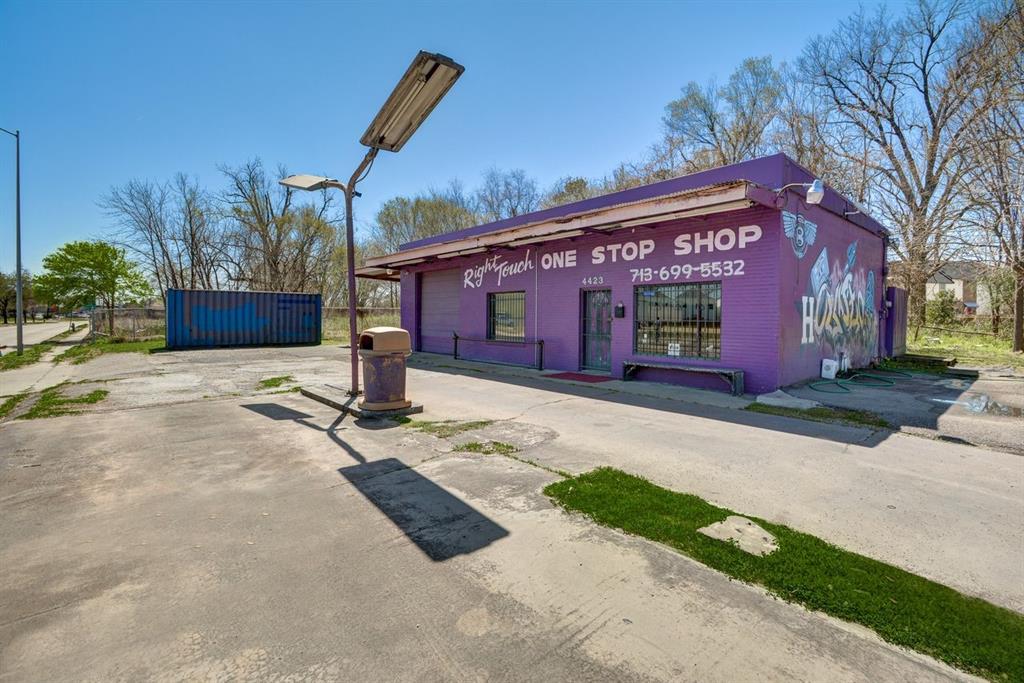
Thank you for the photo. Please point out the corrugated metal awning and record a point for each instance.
(701, 201)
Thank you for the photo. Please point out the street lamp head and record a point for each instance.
(815, 192)
(425, 82)
(310, 183)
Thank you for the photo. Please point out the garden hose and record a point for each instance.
(868, 380)
(900, 374)
(881, 378)
(839, 388)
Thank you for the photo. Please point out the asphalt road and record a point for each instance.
(33, 333)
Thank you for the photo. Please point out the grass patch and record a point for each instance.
(11, 360)
(444, 429)
(292, 390)
(859, 418)
(487, 448)
(82, 353)
(903, 608)
(335, 322)
(968, 349)
(275, 382)
(910, 365)
(10, 403)
(52, 402)
(31, 354)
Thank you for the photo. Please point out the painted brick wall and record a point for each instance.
(409, 306)
(750, 308)
(837, 276)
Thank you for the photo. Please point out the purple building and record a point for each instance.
(690, 281)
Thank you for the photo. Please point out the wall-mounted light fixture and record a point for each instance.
(815, 191)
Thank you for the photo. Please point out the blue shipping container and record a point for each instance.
(204, 317)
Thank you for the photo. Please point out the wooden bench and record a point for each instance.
(732, 377)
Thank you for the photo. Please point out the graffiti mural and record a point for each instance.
(800, 231)
(838, 312)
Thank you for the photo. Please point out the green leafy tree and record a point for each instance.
(7, 293)
(942, 310)
(81, 273)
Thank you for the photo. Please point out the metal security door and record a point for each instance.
(596, 330)
(439, 309)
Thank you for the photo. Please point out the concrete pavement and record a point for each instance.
(950, 512)
(202, 528)
(261, 538)
(986, 409)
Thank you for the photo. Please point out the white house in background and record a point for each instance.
(962, 279)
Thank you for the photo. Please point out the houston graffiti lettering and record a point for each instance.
(839, 312)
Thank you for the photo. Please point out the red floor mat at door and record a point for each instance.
(580, 377)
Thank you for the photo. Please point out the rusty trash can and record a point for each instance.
(384, 350)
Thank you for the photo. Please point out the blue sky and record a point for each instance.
(109, 91)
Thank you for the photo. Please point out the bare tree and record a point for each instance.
(404, 219)
(912, 89)
(276, 244)
(140, 211)
(803, 132)
(201, 249)
(570, 189)
(172, 228)
(505, 194)
(995, 180)
(714, 125)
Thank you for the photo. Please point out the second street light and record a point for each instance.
(425, 82)
(19, 314)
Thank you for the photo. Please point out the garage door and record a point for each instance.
(439, 310)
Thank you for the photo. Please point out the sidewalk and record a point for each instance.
(706, 397)
(44, 373)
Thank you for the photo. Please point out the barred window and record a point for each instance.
(506, 316)
(682, 320)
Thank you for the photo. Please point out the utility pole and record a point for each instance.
(19, 315)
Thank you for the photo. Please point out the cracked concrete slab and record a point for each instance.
(191, 529)
(942, 510)
(271, 540)
(782, 399)
(745, 534)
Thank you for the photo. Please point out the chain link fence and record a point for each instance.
(140, 324)
(335, 321)
(127, 324)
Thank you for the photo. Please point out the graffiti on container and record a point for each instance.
(800, 231)
(838, 312)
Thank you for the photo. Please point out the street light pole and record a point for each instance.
(350, 263)
(425, 82)
(19, 316)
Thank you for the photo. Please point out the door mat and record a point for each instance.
(580, 377)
